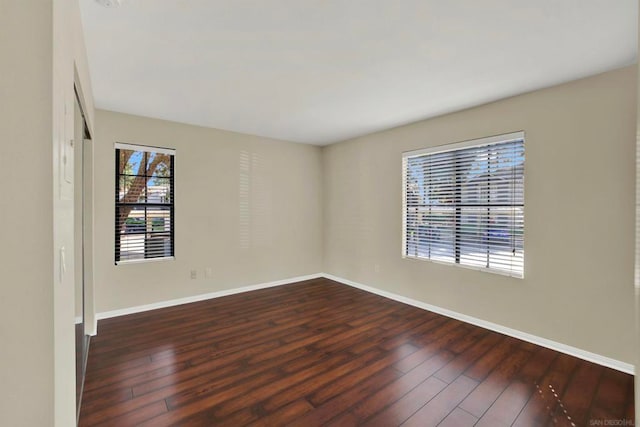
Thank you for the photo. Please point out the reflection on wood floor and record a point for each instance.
(322, 353)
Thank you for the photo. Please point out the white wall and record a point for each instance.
(247, 207)
(579, 192)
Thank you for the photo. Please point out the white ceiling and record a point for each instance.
(321, 71)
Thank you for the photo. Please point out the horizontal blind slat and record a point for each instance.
(144, 204)
(467, 206)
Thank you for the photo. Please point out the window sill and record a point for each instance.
(142, 261)
(468, 267)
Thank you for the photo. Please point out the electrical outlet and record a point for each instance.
(208, 273)
(194, 274)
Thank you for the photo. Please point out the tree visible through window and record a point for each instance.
(464, 204)
(144, 214)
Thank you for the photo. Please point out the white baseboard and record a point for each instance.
(89, 331)
(202, 297)
(92, 327)
(553, 345)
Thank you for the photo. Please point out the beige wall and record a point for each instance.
(26, 302)
(579, 215)
(277, 236)
(42, 53)
(637, 235)
(69, 67)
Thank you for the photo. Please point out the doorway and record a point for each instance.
(83, 184)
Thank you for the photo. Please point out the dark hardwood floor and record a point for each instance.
(322, 353)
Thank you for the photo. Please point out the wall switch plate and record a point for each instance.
(208, 273)
(194, 274)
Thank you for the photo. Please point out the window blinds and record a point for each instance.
(464, 204)
(144, 200)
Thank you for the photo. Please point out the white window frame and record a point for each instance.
(513, 136)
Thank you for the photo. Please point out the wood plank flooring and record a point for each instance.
(322, 353)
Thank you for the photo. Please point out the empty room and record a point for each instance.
(319, 213)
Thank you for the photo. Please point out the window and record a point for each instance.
(464, 204)
(144, 220)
